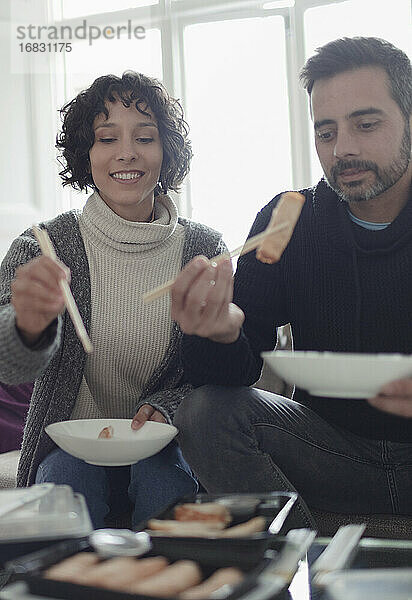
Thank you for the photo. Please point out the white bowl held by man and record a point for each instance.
(127, 446)
(339, 374)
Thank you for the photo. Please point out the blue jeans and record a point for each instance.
(146, 487)
(240, 439)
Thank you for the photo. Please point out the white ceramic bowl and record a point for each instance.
(80, 438)
(339, 374)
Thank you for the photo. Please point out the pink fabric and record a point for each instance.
(14, 404)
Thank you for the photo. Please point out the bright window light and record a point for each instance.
(237, 109)
(86, 62)
(80, 8)
(279, 4)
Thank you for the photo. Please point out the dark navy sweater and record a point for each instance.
(342, 288)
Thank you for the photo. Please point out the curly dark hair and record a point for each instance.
(347, 54)
(77, 135)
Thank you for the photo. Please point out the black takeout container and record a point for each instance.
(251, 554)
(30, 568)
(244, 551)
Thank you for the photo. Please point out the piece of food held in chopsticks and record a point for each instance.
(277, 233)
(287, 211)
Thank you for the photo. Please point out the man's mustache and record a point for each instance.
(343, 165)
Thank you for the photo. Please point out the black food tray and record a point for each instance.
(30, 568)
(244, 552)
(11, 550)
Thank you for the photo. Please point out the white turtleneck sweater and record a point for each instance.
(126, 259)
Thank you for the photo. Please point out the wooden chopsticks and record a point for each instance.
(47, 249)
(248, 246)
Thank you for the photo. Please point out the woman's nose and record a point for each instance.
(127, 151)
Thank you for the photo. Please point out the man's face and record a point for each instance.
(362, 139)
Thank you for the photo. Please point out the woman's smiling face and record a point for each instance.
(126, 160)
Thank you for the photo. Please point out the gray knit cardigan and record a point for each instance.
(57, 366)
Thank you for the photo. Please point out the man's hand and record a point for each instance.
(395, 398)
(147, 413)
(202, 301)
(36, 296)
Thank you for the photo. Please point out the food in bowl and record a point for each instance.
(106, 433)
(80, 438)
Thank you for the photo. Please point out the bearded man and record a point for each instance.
(343, 283)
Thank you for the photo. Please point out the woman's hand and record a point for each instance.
(202, 301)
(395, 398)
(147, 413)
(37, 297)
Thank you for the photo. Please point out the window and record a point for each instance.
(86, 63)
(237, 108)
(78, 8)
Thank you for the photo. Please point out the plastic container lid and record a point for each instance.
(42, 512)
(370, 584)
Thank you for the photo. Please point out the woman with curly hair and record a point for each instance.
(126, 139)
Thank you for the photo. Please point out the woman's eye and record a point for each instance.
(146, 140)
(106, 140)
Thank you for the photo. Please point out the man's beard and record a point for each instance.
(385, 178)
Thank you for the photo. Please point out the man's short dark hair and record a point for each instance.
(347, 54)
(77, 135)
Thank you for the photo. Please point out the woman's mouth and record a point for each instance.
(127, 177)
